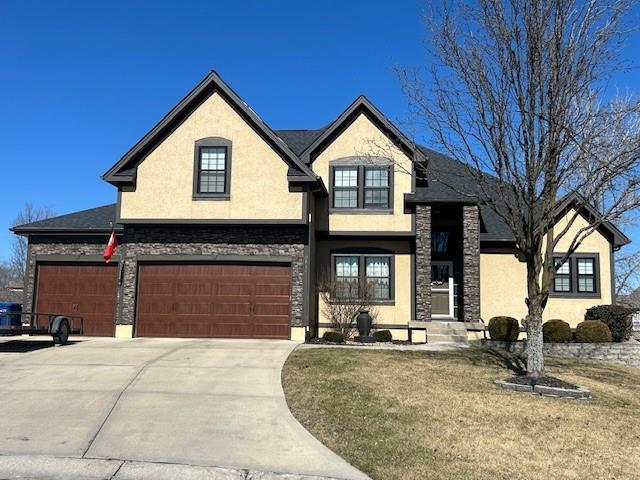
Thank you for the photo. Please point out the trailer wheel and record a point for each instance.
(62, 336)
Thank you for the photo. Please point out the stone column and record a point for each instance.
(423, 263)
(470, 263)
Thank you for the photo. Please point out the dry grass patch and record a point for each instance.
(400, 415)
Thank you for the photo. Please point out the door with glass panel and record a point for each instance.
(441, 289)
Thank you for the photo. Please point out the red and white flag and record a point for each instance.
(111, 247)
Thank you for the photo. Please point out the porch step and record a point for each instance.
(447, 332)
(437, 338)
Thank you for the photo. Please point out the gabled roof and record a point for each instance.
(93, 220)
(124, 171)
(361, 105)
(576, 200)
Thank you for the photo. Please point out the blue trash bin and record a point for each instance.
(6, 318)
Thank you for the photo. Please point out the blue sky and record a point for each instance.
(81, 82)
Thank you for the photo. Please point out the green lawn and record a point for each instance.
(423, 415)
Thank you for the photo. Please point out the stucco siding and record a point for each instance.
(363, 139)
(258, 186)
(503, 287)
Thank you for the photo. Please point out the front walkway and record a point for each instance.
(126, 407)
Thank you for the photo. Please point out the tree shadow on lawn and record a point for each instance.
(483, 356)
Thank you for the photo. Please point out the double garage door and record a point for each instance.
(174, 300)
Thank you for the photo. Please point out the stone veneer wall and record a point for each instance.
(423, 262)
(627, 353)
(247, 240)
(470, 263)
(74, 246)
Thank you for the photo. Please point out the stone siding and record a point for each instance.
(470, 263)
(276, 241)
(627, 353)
(279, 241)
(76, 247)
(423, 263)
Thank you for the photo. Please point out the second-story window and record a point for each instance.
(213, 161)
(345, 187)
(212, 169)
(376, 187)
(361, 187)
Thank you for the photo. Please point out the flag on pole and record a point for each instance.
(111, 247)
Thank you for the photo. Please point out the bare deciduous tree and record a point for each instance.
(518, 91)
(627, 273)
(27, 214)
(341, 303)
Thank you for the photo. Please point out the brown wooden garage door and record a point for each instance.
(86, 290)
(221, 300)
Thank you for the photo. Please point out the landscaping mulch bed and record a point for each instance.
(322, 341)
(546, 381)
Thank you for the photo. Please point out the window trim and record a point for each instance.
(573, 280)
(361, 164)
(212, 142)
(362, 254)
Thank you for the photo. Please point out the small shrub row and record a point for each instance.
(337, 337)
(506, 329)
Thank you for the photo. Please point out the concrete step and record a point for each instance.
(446, 332)
(439, 338)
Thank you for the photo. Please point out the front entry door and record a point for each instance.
(442, 290)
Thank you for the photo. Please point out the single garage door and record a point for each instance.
(213, 300)
(87, 290)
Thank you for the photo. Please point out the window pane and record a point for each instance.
(376, 177)
(379, 288)
(212, 158)
(346, 266)
(345, 177)
(345, 198)
(440, 242)
(562, 283)
(585, 266)
(347, 288)
(586, 284)
(440, 274)
(564, 269)
(376, 197)
(212, 182)
(377, 266)
(378, 276)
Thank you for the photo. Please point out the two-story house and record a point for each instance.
(225, 227)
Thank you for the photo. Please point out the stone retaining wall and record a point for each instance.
(627, 353)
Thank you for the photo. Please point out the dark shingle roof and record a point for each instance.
(298, 140)
(94, 219)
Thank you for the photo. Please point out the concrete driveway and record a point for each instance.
(133, 408)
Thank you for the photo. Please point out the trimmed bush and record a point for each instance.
(593, 331)
(383, 336)
(504, 329)
(616, 317)
(556, 331)
(333, 337)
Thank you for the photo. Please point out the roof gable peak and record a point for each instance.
(361, 105)
(123, 172)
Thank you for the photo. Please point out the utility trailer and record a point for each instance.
(54, 324)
